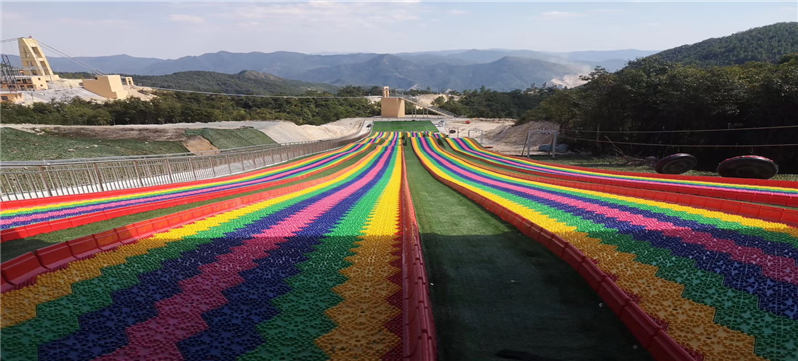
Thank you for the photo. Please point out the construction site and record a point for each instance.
(35, 81)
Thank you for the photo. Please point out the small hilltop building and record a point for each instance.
(391, 107)
(107, 86)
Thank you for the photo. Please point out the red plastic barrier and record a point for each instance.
(107, 240)
(22, 269)
(83, 247)
(5, 285)
(640, 323)
(55, 256)
(647, 331)
(418, 331)
(664, 348)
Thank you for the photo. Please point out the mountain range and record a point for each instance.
(497, 69)
(440, 70)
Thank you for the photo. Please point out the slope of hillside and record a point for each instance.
(506, 73)
(245, 82)
(767, 43)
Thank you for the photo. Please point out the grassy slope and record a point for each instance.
(19, 145)
(232, 138)
(494, 289)
(404, 126)
(17, 247)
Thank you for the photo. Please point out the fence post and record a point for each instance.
(227, 160)
(136, 171)
(191, 165)
(169, 170)
(98, 176)
(44, 182)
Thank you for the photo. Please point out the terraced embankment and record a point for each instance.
(687, 281)
(304, 272)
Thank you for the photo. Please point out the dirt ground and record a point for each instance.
(500, 134)
(199, 145)
(510, 140)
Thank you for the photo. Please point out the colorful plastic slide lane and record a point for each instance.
(311, 274)
(689, 283)
(27, 218)
(783, 193)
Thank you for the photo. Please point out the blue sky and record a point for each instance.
(171, 30)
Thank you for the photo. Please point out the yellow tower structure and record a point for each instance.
(391, 107)
(34, 63)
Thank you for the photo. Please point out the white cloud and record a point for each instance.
(555, 14)
(185, 18)
(95, 22)
(327, 13)
(457, 12)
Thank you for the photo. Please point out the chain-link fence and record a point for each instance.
(36, 179)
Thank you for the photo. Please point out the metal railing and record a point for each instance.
(37, 179)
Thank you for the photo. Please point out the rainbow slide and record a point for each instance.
(26, 218)
(311, 272)
(784, 193)
(690, 283)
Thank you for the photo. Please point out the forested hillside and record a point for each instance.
(634, 106)
(767, 43)
(245, 82)
(172, 107)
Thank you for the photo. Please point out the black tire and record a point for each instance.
(676, 163)
(748, 166)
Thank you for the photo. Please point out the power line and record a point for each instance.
(678, 131)
(685, 145)
(70, 58)
(257, 95)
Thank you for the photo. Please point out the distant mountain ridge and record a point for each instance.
(245, 82)
(440, 70)
(767, 43)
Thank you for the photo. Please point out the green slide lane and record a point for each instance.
(492, 287)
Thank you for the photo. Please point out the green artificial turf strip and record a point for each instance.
(232, 138)
(494, 289)
(17, 247)
(403, 126)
